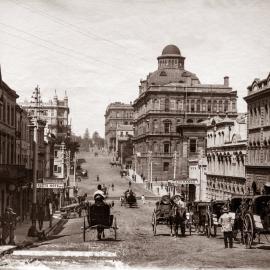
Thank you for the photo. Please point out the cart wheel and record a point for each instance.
(248, 231)
(154, 223)
(115, 228)
(84, 229)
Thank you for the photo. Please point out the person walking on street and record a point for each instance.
(97, 178)
(8, 226)
(40, 216)
(112, 187)
(129, 184)
(143, 199)
(226, 227)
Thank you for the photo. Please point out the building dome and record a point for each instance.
(171, 49)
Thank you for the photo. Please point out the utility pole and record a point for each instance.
(36, 100)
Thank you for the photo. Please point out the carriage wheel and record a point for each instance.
(248, 231)
(154, 223)
(208, 226)
(84, 229)
(115, 228)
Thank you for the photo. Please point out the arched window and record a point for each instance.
(166, 147)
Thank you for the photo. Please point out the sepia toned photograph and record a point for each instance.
(134, 134)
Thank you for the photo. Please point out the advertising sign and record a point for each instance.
(50, 185)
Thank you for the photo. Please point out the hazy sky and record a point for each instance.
(99, 50)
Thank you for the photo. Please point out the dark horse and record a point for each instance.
(178, 218)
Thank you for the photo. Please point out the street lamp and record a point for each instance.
(37, 104)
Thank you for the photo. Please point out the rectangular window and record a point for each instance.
(167, 127)
(192, 106)
(166, 148)
(59, 170)
(167, 105)
(209, 106)
(55, 168)
(55, 153)
(193, 145)
(198, 106)
(166, 166)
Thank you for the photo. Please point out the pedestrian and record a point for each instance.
(143, 199)
(97, 178)
(40, 216)
(129, 184)
(156, 179)
(8, 226)
(226, 227)
(112, 187)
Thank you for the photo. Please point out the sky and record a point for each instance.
(98, 50)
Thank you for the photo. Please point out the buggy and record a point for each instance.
(99, 218)
(213, 214)
(199, 210)
(129, 199)
(256, 219)
(162, 213)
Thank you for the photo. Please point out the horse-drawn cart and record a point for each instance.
(129, 199)
(256, 219)
(99, 219)
(213, 214)
(162, 213)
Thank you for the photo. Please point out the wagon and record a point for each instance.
(129, 199)
(162, 213)
(199, 210)
(238, 207)
(99, 219)
(213, 214)
(256, 219)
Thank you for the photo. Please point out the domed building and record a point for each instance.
(168, 116)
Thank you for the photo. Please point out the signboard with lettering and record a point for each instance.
(50, 185)
(184, 181)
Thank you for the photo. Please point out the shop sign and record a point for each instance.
(50, 185)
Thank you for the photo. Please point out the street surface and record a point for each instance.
(136, 246)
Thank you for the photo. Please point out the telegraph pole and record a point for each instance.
(36, 100)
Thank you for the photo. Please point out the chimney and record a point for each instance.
(226, 81)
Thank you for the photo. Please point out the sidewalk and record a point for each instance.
(21, 238)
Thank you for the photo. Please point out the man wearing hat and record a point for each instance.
(227, 227)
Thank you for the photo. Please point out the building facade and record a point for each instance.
(15, 156)
(258, 158)
(117, 113)
(173, 99)
(55, 113)
(226, 155)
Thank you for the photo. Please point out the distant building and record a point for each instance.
(226, 155)
(117, 113)
(124, 133)
(258, 159)
(56, 115)
(172, 99)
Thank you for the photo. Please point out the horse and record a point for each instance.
(178, 218)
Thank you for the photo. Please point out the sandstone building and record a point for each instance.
(226, 155)
(258, 160)
(116, 114)
(172, 99)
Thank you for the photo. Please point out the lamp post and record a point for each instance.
(36, 100)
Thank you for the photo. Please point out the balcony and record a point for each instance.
(15, 172)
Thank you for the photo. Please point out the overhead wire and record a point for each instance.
(71, 26)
